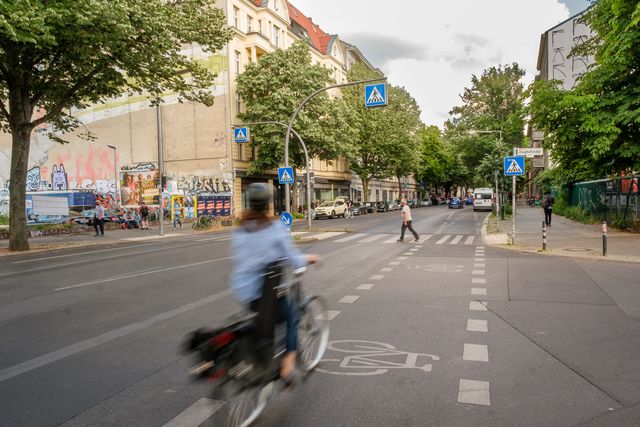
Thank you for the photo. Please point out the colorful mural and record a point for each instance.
(137, 186)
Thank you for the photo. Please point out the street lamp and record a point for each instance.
(115, 174)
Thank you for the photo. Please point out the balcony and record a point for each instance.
(260, 42)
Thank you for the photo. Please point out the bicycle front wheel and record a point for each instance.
(313, 332)
(247, 404)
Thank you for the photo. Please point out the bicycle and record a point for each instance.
(311, 212)
(235, 360)
(348, 214)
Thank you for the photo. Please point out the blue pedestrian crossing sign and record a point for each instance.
(285, 175)
(286, 218)
(241, 135)
(375, 95)
(513, 165)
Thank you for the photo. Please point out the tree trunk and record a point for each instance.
(365, 188)
(401, 196)
(21, 140)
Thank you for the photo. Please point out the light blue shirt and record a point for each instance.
(253, 251)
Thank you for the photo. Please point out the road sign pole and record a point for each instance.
(513, 208)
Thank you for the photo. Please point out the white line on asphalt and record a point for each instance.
(346, 239)
(478, 260)
(419, 246)
(373, 238)
(478, 305)
(376, 277)
(477, 325)
(479, 265)
(385, 269)
(443, 239)
(479, 280)
(83, 253)
(475, 352)
(328, 235)
(139, 273)
(391, 240)
(196, 414)
(45, 359)
(394, 263)
(413, 250)
(456, 239)
(478, 291)
(219, 238)
(328, 315)
(152, 237)
(477, 272)
(474, 392)
(439, 230)
(408, 253)
(349, 299)
(365, 287)
(469, 240)
(402, 258)
(480, 247)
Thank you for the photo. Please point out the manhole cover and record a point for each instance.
(578, 249)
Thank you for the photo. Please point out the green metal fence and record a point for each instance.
(616, 199)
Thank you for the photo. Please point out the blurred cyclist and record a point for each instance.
(259, 242)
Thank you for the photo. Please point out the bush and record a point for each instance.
(4, 220)
(297, 215)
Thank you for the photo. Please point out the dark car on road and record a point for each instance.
(371, 207)
(456, 203)
(469, 201)
(358, 208)
(382, 206)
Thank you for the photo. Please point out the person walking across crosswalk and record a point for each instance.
(406, 222)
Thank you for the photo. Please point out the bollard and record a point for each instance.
(544, 236)
(604, 238)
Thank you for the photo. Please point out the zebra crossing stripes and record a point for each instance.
(352, 237)
(449, 239)
(373, 238)
(456, 239)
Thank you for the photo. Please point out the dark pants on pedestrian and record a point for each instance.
(98, 223)
(547, 216)
(404, 227)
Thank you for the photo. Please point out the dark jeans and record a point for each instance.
(404, 228)
(98, 223)
(289, 315)
(547, 216)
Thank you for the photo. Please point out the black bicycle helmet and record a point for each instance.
(258, 196)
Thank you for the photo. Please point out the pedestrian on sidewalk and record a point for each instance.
(98, 219)
(406, 222)
(177, 211)
(547, 205)
(144, 213)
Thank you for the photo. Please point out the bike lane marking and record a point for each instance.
(479, 280)
(474, 392)
(196, 414)
(478, 305)
(475, 353)
(478, 291)
(349, 299)
(477, 325)
(386, 269)
(328, 315)
(376, 277)
(365, 287)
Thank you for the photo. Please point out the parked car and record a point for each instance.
(331, 209)
(425, 202)
(371, 207)
(412, 203)
(456, 203)
(48, 219)
(394, 206)
(358, 208)
(110, 215)
(382, 206)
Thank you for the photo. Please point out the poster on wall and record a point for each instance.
(138, 186)
(214, 206)
(184, 206)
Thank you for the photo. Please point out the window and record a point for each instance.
(238, 104)
(236, 17)
(260, 26)
(276, 36)
(237, 62)
(254, 153)
(249, 24)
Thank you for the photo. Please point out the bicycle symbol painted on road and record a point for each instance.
(372, 358)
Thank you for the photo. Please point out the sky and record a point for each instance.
(433, 47)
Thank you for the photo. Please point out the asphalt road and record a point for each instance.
(443, 332)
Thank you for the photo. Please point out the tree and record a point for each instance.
(63, 54)
(495, 102)
(435, 162)
(272, 89)
(594, 129)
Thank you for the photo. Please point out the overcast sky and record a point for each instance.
(432, 47)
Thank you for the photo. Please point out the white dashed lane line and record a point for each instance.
(477, 306)
(376, 277)
(394, 263)
(478, 291)
(349, 299)
(477, 272)
(328, 315)
(386, 269)
(365, 287)
(479, 281)
(475, 353)
(477, 325)
(196, 414)
(479, 265)
(474, 392)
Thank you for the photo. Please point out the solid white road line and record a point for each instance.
(456, 239)
(372, 238)
(475, 352)
(328, 235)
(365, 287)
(349, 299)
(477, 325)
(479, 265)
(474, 392)
(152, 237)
(376, 277)
(352, 237)
(477, 306)
(45, 359)
(443, 239)
(84, 253)
(477, 272)
(479, 280)
(469, 240)
(328, 315)
(478, 291)
(196, 414)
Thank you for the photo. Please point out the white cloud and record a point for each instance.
(432, 47)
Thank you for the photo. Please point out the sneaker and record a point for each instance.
(417, 238)
(400, 240)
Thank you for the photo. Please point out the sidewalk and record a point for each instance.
(111, 236)
(564, 237)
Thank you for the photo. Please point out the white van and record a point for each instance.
(482, 199)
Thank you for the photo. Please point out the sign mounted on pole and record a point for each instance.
(513, 165)
(241, 135)
(285, 175)
(375, 95)
(530, 152)
(286, 218)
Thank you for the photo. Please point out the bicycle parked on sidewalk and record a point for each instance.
(243, 367)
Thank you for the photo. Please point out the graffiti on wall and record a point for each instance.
(193, 185)
(59, 178)
(33, 178)
(139, 167)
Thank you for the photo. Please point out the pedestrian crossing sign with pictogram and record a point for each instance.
(375, 95)
(513, 165)
(241, 135)
(285, 175)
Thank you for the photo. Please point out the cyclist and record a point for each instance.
(259, 242)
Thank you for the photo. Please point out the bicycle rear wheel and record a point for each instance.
(247, 404)
(313, 332)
